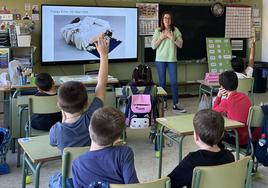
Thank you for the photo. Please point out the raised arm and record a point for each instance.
(103, 47)
(252, 53)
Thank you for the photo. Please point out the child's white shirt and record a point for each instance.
(248, 73)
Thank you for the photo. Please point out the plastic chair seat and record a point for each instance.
(232, 175)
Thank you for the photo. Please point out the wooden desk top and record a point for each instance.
(5, 88)
(85, 79)
(160, 92)
(39, 150)
(183, 124)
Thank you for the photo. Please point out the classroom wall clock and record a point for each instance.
(217, 9)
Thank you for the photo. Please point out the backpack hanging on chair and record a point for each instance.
(261, 151)
(99, 184)
(139, 110)
(5, 138)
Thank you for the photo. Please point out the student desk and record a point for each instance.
(160, 94)
(88, 80)
(245, 85)
(182, 126)
(11, 93)
(37, 151)
(208, 88)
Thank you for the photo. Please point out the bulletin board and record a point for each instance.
(219, 53)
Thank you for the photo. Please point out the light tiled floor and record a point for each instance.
(145, 161)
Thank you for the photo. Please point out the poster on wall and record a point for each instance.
(219, 53)
(148, 18)
(256, 23)
(148, 41)
(35, 12)
(27, 6)
(238, 22)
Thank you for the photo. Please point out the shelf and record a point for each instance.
(22, 53)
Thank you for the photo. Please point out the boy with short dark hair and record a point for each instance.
(105, 162)
(45, 86)
(235, 105)
(208, 130)
(73, 100)
(45, 82)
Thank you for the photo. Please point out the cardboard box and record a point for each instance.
(24, 40)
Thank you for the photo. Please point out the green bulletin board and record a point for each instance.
(219, 53)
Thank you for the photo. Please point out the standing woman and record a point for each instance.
(166, 39)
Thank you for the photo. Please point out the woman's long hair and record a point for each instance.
(162, 26)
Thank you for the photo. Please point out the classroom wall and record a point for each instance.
(115, 68)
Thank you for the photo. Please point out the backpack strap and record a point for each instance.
(152, 90)
(134, 90)
(265, 119)
(147, 90)
(125, 91)
(154, 99)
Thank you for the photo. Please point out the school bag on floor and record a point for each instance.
(204, 103)
(5, 138)
(261, 151)
(139, 110)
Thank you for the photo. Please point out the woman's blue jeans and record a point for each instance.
(172, 69)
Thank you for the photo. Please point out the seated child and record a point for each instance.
(235, 105)
(45, 86)
(208, 131)
(105, 162)
(141, 77)
(238, 64)
(72, 100)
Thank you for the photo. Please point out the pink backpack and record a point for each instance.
(139, 109)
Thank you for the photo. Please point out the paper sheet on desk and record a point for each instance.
(84, 78)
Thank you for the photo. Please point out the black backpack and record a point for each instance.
(261, 151)
(99, 184)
